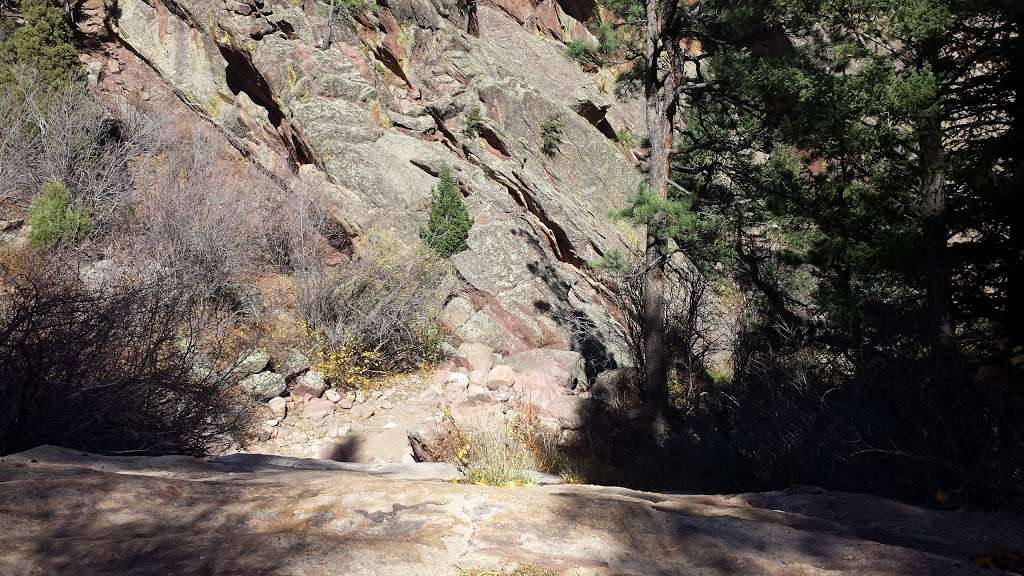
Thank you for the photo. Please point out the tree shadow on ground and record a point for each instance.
(82, 523)
(803, 528)
(727, 536)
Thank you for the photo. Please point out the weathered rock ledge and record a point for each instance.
(67, 513)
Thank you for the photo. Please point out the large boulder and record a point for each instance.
(75, 514)
(456, 313)
(479, 356)
(569, 412)
(252, 362)
(265, 385)
(501, 377)
(546, 367)
(310, 383)
(289, 363)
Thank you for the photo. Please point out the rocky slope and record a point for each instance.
(369, 121)
(68, 513)
(399, 421)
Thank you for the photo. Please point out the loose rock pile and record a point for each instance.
(475, 387)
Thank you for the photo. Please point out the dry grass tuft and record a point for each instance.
(522, 570)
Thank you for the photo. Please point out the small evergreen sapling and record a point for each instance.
(55, 219)
(473, 122)
(449, 223)
(551, 134)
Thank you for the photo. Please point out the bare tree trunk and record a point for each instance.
(1015, 204)
(661, 98)
(933, 210)
(933, 213)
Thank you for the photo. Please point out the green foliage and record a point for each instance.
(55, 220)
(551, 133)
(612, 261)
(7, 27)
(43, 43)
(448, 223)
(581, 51)
(670, 218)
(608, 38)
(632, 12)
(698, 233)
(804, 164)
(585, 51)
(625, 137)
(472, 123)
(356, 6)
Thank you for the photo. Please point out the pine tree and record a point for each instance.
(449, 223)
(859, 158)
(43, 43)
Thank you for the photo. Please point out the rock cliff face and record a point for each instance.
(67, 513)
(370, 120)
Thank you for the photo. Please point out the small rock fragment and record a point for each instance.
(309, 384)
(318, 408)
(458, 379)
(278, 406)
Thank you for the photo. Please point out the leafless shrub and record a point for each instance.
(298, 234)
(691, 337)
(197, 215)
(68, 136)
(112, 369)
(378, 312)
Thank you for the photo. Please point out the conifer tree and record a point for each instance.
(449, 223)
(43, 43)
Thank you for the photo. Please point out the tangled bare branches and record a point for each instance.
(197, 215)
(385, 302)
(693, 329)
(112, 369)
(68, 136)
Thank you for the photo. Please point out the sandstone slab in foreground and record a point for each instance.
(67, 513)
